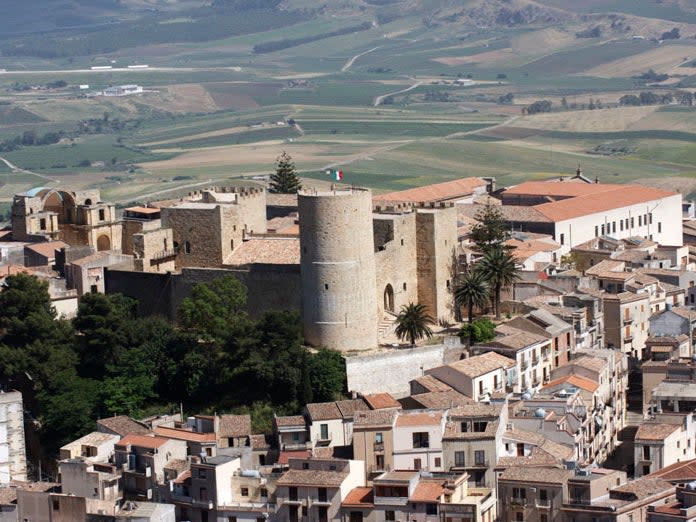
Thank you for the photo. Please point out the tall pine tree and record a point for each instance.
(285, 180)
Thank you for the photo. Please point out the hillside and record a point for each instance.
(395, 92)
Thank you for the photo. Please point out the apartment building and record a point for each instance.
(478, 376)
(373, 440)
(13, 459)
(291, 433)
(142, 459)
(409, 495)
(599, 494)
(313, 489)
(418, 440)
(666, 439)
(472, 440)
(331, 423)
(532, 493)
(531, 353)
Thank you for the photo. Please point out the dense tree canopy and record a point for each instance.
(108, 361)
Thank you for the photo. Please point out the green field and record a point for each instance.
(215, 104)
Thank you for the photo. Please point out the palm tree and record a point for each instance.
(473, 291)
(412, 323)
(499, 268)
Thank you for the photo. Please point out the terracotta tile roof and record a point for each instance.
(46, 249)
(183, 477)
(527, 248)
(432, 384)
(142, 210)
(453, 431)
(655, 431)
(259, 441)
(122, 425)
(8, 493)
(312, 477)
(556, 450)
(596, 364)
(677, 472)
(621, 196)
(442, 400)
(427, 491)
(557, 189)
(234, 425)
(574, 380)
(187, 435)
(285, 456)
(372, 418)
(476, 409)
(142, 441)
(271, 251)
(290, 421)
(377, 401)
(522, 214)
(10, 270)
(359, 497)
(447, 190)
(319, 411)
(178, 465)
(419, 418)
(515, 340)
(349, 407)
(482, 364)
(550, 475)
(644, 487)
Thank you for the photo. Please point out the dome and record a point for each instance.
(526, 396)
(540, 412)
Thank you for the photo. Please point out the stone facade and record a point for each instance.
(208, 225)
(78, 218)
(337, 263)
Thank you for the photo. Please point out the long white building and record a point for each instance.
(13, 459)
(574, 212)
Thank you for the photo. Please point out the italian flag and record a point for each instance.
(337, 174)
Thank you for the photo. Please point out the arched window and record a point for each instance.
(389, 298)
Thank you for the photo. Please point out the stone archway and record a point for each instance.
(103, 243)
(389, 298)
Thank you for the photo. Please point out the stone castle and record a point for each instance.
(346, 263)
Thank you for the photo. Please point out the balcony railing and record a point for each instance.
(627, 320)
(379, 446)
(524, 365)
(479, 464)
(542, 504)
(163, 255)
(628, 339)
(517, 501)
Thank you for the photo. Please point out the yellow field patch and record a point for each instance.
(600, 120)
(664, 59)
(488, 57)
(532, 43)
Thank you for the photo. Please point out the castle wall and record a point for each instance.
(338, 269)
(196, 232)
(269, 287)
(436, 239)
(136, 226)
(391, 371)
(154, 251)
(395, 260)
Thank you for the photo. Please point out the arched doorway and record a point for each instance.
(389, 298)
(103, 243)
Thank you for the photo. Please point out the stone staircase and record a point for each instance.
(386, 326)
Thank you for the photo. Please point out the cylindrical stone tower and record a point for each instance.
(337, 259)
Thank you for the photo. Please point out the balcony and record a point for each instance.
(524, 365)
(479, 464)
(379, 446)
(518, 502)
(542, 504)
(628, 339)
(162, 255)
(323, 439)
(627, 320)
(205, 504)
